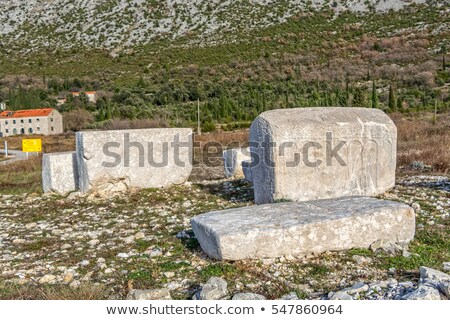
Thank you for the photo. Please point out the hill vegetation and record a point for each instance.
(311, 55)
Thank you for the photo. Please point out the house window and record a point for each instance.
(30, 130)
(38, 129)
(14, 121)
(29, 121)
(37, 119)
(14, 131)
(21, 120)
(7, 130)
(22, 131)
(51, 119)
(6, 122)
(52, 128)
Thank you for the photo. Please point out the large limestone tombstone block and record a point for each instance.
(319, 153)
(302, 228)
(232, 161)
(140, 158)
(59, 172)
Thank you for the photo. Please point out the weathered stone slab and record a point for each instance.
(232, 161)
(247, 170)
(142, 158)
(302, 228)
(319, 153)
(59, 172)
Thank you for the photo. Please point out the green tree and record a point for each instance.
(108, 111)
(392, 99)
(444, 63)
(374, 99)
(399, 104)
(359, 99)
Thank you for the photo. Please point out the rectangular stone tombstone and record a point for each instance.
(302, 228)
(59, 172)
(319, 153)
(232, 161)
(138, 158)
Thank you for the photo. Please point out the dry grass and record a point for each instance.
(231, 138)
(117, 124)
(37, 291)
(422, 139)
(213, 144)
(50, 144)
(21, 176)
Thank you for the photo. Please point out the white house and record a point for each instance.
(45, 121)
(92, 95)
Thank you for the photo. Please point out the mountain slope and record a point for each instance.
(115, 24)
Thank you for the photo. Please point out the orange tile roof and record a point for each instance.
(25, 113)
(87, 92)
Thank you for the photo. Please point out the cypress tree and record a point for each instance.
(444, 63)
(108, 112)
(358, 98)
(399, 104)
(347, 90)
(374, 95)
(392, 102)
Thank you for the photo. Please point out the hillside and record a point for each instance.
(238, 58)
(115, 24)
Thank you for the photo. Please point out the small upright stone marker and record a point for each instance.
(59, 172)
(247, 169)
(320, 153)
(233, 162)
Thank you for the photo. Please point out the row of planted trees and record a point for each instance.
(231, 102)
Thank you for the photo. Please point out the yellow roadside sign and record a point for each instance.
(32, 145)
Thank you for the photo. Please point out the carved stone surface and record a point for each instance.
(59, 172)
(142, 158)
(319, 153)
(302, 228)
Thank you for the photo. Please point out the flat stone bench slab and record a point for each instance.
(59, 172)
(302, 228)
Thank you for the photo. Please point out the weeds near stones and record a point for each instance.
(218, 270)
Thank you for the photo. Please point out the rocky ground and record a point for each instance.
(92, 247)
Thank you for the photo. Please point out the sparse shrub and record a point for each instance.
(78, 119)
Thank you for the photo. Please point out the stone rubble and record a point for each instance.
(214, 289)
(154, 294)
(248, 296)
